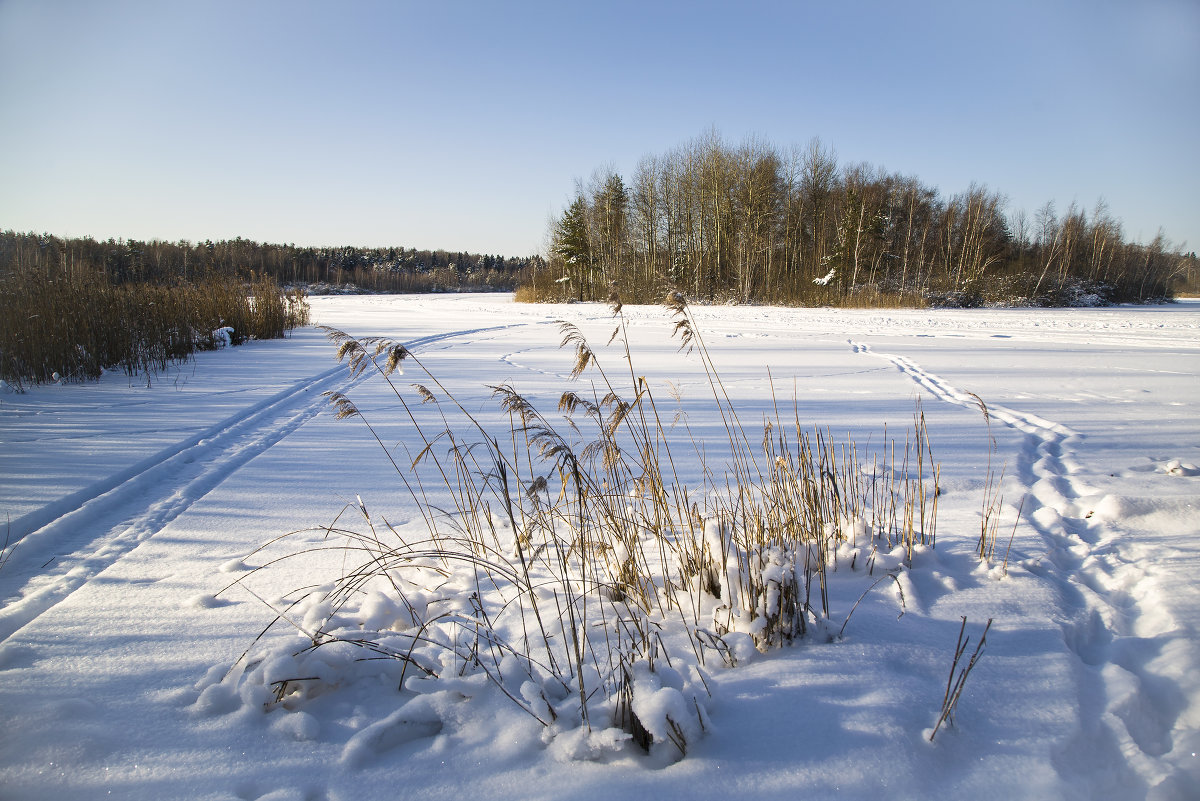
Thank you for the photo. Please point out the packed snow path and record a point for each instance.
(68, 542)
(96, 526)
(137, 502)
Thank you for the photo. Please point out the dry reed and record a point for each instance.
(53, 327)
(591, 565)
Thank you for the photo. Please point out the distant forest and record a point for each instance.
(120, 261)
(752, 223)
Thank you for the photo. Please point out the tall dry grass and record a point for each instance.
(597, 576)
(53, 325)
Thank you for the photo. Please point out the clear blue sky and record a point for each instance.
(463, 125)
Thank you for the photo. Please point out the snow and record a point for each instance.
(222, 337)
(133, 510)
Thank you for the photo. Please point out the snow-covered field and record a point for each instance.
(133, 508)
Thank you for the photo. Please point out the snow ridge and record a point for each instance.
(1131, 713)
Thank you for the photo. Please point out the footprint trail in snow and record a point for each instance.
(1111, 616)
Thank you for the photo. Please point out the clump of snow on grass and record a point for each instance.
(1111, 507)
(1177, 467)
(205, 601)
(671, 710)
(417, 719)
(223, 337)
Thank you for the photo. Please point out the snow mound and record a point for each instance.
(1177, 467)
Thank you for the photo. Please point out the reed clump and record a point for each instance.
(566, 563)
(57, 327)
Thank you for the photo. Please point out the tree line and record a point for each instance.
(395, 269)
(752, 223)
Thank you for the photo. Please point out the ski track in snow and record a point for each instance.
(68, 542)
(1109, 607)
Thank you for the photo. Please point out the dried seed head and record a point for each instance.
(620, 410)
(583, 353)
(614, 301)
(612, 455)
(535, 486)
(396, 354)
(591, 451)
(583, 357)
(677, 304)
(610, 399)
(343, 406)
(512, 402)
(683, 328)
(346, 348)
(570, 401)
(987, 417)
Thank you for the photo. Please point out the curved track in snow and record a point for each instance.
(1129, 711)
(66, 543)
